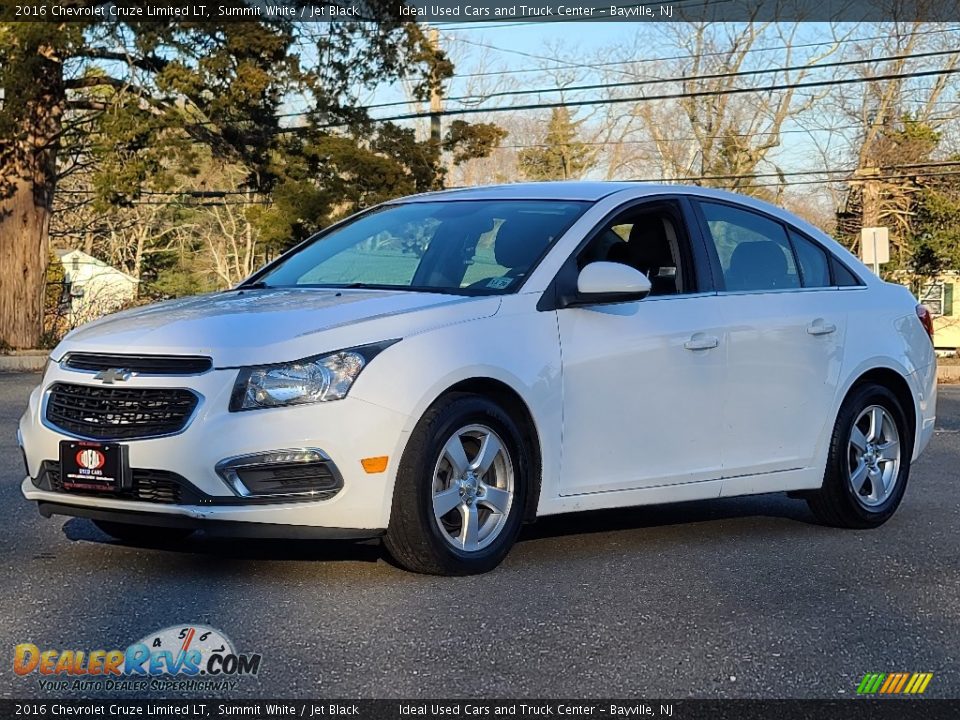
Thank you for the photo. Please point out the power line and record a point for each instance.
(665, 96)
(656, 81)
(687, 139)
(924, 169)
(818, 181)
(840, 41)
(689, 56)
(713, 76)
(837, 171)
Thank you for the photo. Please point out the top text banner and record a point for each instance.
(114, 11)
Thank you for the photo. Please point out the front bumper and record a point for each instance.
(50, 504)
(346, 430)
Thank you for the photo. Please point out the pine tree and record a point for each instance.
(562, 156)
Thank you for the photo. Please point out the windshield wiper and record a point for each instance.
(259, 285)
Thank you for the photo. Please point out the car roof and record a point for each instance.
(592, 191)
(583, 190)
(557, 190)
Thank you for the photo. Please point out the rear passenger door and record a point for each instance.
(785, 328)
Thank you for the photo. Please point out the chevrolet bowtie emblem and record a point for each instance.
(112, 375)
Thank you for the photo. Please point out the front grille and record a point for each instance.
(142, 364)
(153, 486)
(110, 413)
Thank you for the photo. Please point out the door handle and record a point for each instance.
(701, 342)
(819, 327)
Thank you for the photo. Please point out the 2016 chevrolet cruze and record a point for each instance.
(442, 368)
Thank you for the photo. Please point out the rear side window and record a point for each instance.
(842, 276)
(814, 264)
(754, 251)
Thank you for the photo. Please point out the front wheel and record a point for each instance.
(869, 461)
(461, 489)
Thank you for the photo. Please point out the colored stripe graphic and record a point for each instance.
(870, 683)
(903, 681)
(894, 683)
(892, 680)
(918, 683)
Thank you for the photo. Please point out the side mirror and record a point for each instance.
(609, 282)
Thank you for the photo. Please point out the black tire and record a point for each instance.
(836, 504)
(143, 534)
(413, 537)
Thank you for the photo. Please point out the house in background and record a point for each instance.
(91, 288)
(941, 299)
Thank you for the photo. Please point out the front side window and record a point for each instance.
(754, 251)
(647, 239)
(471, 247)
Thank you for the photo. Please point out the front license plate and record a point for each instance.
(91, 466)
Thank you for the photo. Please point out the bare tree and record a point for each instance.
(710, 128)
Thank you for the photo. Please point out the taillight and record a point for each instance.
(926, 319)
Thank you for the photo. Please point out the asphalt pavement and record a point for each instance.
(743, 597)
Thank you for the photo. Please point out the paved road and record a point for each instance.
(733, 598)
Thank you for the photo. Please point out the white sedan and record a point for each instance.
(440, 369)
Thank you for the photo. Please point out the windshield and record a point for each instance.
(465, 246)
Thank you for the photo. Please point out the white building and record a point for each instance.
(92, 288)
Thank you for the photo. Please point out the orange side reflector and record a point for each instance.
(375, 464)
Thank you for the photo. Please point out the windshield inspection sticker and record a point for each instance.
(499, 283)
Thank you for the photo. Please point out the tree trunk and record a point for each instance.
(23, 247)
(28, 176)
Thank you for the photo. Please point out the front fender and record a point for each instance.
(518, 348)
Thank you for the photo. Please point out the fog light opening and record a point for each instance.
(305, 473)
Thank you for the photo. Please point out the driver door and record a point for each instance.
(643, 381)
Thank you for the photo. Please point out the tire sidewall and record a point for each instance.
(467, 411)
(862, 398)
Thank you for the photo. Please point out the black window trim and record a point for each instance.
(694, 249)
(788, 228)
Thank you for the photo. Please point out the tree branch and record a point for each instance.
(150, 63)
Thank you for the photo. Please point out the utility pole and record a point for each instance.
(436, 109)
(871, 197)
(436, 98)
(867, 178)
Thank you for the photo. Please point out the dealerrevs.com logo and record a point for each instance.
(180, 657)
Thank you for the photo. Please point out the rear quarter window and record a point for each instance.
(813, 260)
(843, 276)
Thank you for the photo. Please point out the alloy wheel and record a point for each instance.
(874, 455)
(473, 488)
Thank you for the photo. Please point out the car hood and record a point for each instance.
(261, 326)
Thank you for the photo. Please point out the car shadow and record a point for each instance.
(236, 548)
(776, 506)
(773, 506)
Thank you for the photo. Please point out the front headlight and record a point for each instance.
(315, 379)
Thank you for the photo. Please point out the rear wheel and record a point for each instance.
(869, 461)
(461, 488)
(142, 534)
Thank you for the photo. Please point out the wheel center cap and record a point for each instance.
(469, 487)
